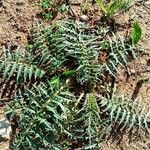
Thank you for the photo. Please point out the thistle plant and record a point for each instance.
(49, 112)
(125, 114)
(89, 118)
(42, 111)
(119, 51)
(20, 66)
(77, 43)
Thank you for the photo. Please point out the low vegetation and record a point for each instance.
(65, 94)
(109, 9)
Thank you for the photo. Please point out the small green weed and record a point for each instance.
(114, 6)
(51, 7)
(63, 8)
(136, 33)
(46, 4)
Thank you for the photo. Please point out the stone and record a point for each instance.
(5, 128)
(84, 18)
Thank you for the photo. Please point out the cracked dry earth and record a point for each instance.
(16, 21)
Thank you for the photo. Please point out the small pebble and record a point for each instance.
(5, 128)
(84, 18)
